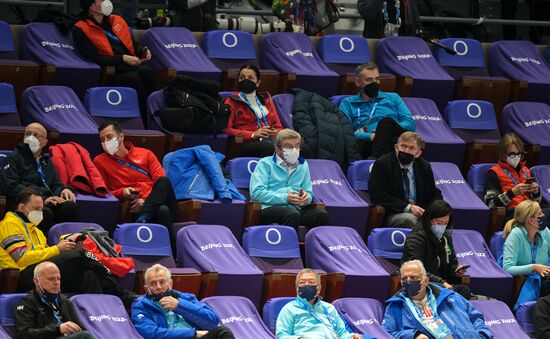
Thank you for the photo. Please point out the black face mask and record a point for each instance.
(405, 158)
(157, 297)
(247, 86)
(371, 90)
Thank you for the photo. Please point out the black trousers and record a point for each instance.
(220, 332)
(54, 214)
(541, 318)
(386, 135)
(307, 216)
(143, 79)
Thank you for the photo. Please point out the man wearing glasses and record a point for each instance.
(27, 166)
(377, 117)
(282, 184)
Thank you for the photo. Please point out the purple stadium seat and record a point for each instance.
(337, 99)
(364, 315)
(272, 309)
(486, 276)
(524, 318)
(359, 174)
(341, 249)
(240, 315)
(547, 55)
(531, 122)
(116, 103)
(289, 52)
(388, 242)
(476, 177)
(175, 47)
(331, 188)
(6, 40)
(499, 319)
(472, 120)
(411, 57)
(4, 334)
(283, 105)
(88, 205)
(442, 144)
(43, 43)
(57, 230)
(521, 60)
(213, 248)
(8, 106)
(7, 309)
(104, 316)
(496, 245)
(542, 175)
(155, 101)
(470, 212)
(240, 170)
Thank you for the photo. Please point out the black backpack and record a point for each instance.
(193, 106)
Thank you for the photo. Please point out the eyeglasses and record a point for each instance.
(515, 155)
(287, 147)
(36, 135)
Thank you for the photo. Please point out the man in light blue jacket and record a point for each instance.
(423, 311)
(308, 316)
(282, 184)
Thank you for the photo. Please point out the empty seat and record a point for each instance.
(289, 52)
(7, 312)
(542, 176)
(531, 122)
(525, 318)
(341, 249)
(388, 243)
(213, 248)
(496, 245)
(272, 309)
(363, 315)
(521, 60)
(486, 276)
(104, 316)
(240, 315)
(476, 177)
(8, 107)
(442, 144)
(499, 319)
(283, 105)
(410, 57)
(57, 230)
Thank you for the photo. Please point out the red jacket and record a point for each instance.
(75, 168)
(243, 120)
(506, 182)
(118, 176)
(97, 36)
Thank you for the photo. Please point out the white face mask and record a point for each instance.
(33, 143)
(110, 146)
(513, 161)
(291, 155)
(35, 217)
(107, 7)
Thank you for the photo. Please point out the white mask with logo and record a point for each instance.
(513, 161)
(291, 155)
(33, 143)
(107, 7)
(110, 146)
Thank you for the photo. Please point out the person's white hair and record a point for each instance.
(305, 271)
(415, 262)
(37, 272)
(155, 269)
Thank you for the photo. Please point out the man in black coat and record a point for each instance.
(45, 312)
(389, 18)
(403, 182)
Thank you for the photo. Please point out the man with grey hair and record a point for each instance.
(422, 310)
(308, 316)
(166, 313)
(282, 184)
(377, 117)
(45, 312)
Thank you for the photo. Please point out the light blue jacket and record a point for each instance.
(296, 320)
(388, 105)
(270, 182)
(459, 315)
(517, 258)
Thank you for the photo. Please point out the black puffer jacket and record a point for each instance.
(439, 266)
(325, 129)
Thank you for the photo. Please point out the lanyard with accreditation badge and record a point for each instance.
(312, 313)
(262, 113)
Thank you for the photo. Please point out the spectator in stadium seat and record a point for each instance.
(282, 184)
(105, 39)
(45, 312)
(378, 118)
(27, 166)
(253, 115)
(422, 310)
(541, 318)
(308, 316)
(510, 182)
(167, 313)
(23, 246)
(403, 183)
(134, 174)
(527, 248)
(393, 16)
(430, 242)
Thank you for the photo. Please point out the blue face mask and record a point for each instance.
(543, 222)
(308, 292)
(411, 287)
(439, 230)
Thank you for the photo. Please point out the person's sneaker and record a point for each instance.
(144, 218)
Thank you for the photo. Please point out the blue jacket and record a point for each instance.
(461, 317)
(388, 105)
(150, 321)
(516, 255)
(270, 182)
(195, 173)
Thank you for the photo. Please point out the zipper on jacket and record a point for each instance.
(193, 183)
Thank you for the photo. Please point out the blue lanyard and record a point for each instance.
(111, 35)
(26, 230)
(307, 308)
(243, 96)
(397, 12)
(512, 177)
(407, 189)
(57, 317)
(132, 166)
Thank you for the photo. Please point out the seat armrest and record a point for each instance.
(209, 284)
(496, 221)
(318, 206)
(189, 210)
(47, 74)
(252, 213)
(2, 206)
(404, 86)
(9, 280)
(166, 74)
(288, 81)
(107, 75)
(335, 285)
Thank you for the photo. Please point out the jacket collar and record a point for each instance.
(301, 160)
(358, 99)
(509, 168)
(263, 96)
(439, 294)
(152, 304)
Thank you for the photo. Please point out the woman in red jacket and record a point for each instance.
(253, 116)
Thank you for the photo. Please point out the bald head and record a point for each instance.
(37, 128)
(47, 277)
(37, 131)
